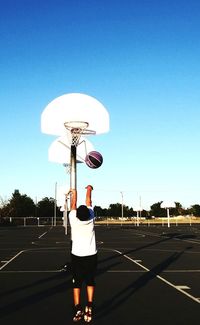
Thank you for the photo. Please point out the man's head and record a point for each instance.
(83, 213)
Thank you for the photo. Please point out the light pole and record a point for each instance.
(55, 204)
(138, 209)
(167, 205)
(65, 214)
(122, 215)
(36, 207)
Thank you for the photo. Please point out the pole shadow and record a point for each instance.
(27, 300)
(123, 295)
(170, 236)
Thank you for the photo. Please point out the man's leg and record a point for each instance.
(76, 296)
(78, 311)
(90, 293)
(77, 283)
(89, 307)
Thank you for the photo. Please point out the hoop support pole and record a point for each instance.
(73, 175)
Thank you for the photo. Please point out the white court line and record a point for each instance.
(36, 271)
(32, 271)
(167, 271)
(1, 268)
(125, 271)
(167, 250)
(167, 236)
(159, 277)
(181, 271)
(43, 234)
(183, 287)
(188, 241)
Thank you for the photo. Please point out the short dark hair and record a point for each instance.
(83, 213)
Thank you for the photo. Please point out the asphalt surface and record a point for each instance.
(146, 275)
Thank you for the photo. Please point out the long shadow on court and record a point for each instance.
(33, 284)
(169, 237)
(36, 297)
(23, 302)
(118, 299)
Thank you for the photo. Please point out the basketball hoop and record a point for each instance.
(76, 130)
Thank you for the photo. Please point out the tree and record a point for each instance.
(179, 209)
(45, 208)
(20, 205)
(115, 210)
(145, 214)
(3, 210)
(3, 205)
(99, 212)
(157, 211)
(195, 210)
(3, 202)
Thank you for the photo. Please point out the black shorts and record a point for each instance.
(83, 270)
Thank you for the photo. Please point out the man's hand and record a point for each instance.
(71, 191)
(68, 192)
(89, 187)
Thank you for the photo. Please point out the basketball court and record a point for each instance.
(146, 275)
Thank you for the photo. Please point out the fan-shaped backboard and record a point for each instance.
(60, 150)
(74, 107)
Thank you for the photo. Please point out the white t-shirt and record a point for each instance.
(82, 234)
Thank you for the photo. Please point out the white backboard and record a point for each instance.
(74, 107)
(59, 150)
(167, 204)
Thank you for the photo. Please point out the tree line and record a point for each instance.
(21, 205)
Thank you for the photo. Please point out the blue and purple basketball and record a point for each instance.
(94, 159)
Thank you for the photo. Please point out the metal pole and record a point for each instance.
(73, 168)
(55, 204)
(168, 223)
(36, 207)
(140, 207)
(138, 218)
(122, 216)
(65, 215)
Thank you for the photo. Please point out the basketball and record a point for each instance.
(94, 159)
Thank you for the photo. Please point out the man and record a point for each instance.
(83, 253)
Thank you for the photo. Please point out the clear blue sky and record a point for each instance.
(140, 59)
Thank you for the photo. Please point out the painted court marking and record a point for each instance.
(11, 259)
(36, 271)
(38, 250)
(178, 288)
(183, 287)
(191, 241)
(43, 234)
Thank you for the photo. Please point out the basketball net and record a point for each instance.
(76, 130)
